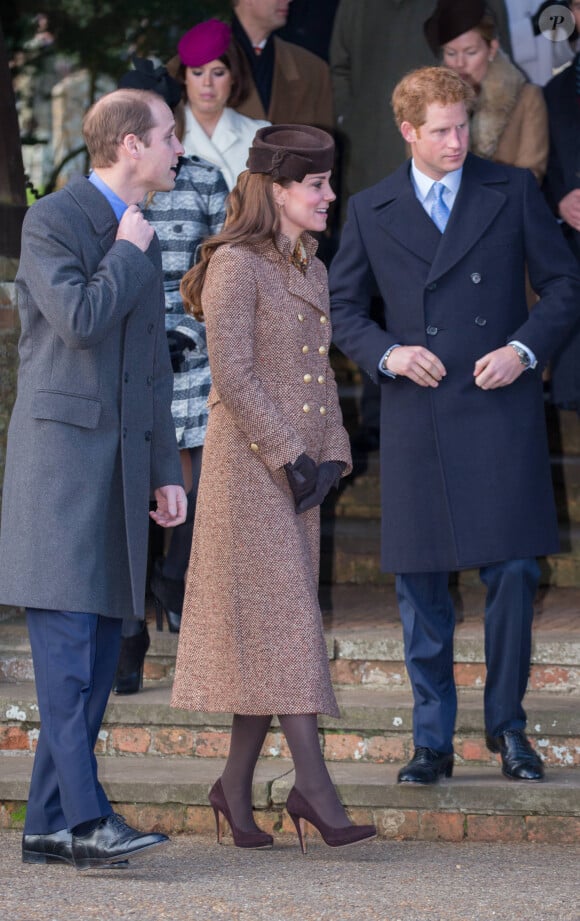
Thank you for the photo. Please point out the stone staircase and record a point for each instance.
(158, 763)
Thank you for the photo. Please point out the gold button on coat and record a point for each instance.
(301, 317)
(307, 378)
(321, 379)
(323, 320)
(323, 410)
(254, 446)
(304, 349)
(306, 408)
(322, 350)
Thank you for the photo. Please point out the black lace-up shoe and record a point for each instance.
(111, 841)
(519, 761)
(54, 848)
(426, 766)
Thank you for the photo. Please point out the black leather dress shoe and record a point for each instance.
(111, 841)
(519, 761)
(425, 766)
(53, 848)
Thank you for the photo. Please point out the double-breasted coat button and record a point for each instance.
(321, 378)
(307, 378)
(126, 377)
(124, 431)
(306, 408)
(322, 350)
(323, 410)
(148, 436)
(475, 277)
(149, 381)
(150, 328)
(305, 349)
(432, 286)
(254, 447)
(301, 317)
(432, 330)
(323, 320)
(480, 321)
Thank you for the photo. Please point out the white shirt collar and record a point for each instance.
(423, 184)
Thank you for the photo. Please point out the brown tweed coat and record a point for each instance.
(251, 637)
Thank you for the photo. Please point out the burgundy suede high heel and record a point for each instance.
(248, 839)
(301, 811)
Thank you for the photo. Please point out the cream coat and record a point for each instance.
(229, 144)
(251, 636)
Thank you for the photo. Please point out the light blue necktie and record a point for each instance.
(439, 210)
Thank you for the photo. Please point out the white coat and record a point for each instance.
(229, 144)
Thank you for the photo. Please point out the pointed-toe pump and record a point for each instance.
(300, 811)
(247, 839)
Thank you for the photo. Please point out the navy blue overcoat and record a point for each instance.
(465, 473)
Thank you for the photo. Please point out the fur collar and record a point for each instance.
(497, 99)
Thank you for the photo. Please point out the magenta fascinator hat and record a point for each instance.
(204, 43)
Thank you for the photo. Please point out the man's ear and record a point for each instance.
(132, 145)
(409, 132)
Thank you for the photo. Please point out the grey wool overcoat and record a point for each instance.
(91, 433)
(251, 637)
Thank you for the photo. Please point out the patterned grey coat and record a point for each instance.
(193, 210)
(251, 637)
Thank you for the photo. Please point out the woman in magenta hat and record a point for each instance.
(251, 641)
(213, 73)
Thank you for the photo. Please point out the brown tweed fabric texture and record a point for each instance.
(251, 637)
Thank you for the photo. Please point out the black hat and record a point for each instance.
(291, 151)
(451, 18)
(147, 76)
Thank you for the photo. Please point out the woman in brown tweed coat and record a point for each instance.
(251, 638)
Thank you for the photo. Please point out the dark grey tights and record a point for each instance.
(311, 775)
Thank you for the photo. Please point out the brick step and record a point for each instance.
(374, 726)
(360, 495)
(364, 640)
(476, 804)
(350, 552)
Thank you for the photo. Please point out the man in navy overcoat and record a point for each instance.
(465, 472)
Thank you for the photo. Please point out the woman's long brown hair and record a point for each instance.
(251, 217)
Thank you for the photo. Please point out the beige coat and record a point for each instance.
(251, 636)
(510, 121)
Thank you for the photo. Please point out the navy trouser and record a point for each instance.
(75, 657)
(428, 620)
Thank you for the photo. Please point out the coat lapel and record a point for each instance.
(478, 203)
(97, 209)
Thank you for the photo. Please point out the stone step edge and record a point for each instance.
(550, 648)
(473, 790)
(370, 708)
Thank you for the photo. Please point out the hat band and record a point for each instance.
(286, 164)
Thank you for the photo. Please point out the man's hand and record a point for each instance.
(418, 364)
(134, 228)
(569, 209)
(498, 368)
(171, 506)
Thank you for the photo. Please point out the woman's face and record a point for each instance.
(304, 205)
(208, 88)
(469, 55)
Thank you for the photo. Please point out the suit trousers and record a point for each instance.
(75, 657)
(428, 620)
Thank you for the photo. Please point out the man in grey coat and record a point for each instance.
(91, 440)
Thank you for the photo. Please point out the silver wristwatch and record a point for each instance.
(522, 354)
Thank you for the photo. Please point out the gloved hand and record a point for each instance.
(544, 6)
(327, 476)
(301, 476)
(178, 344)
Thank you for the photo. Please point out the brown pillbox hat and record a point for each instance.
(291, 151)
(452, 18)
